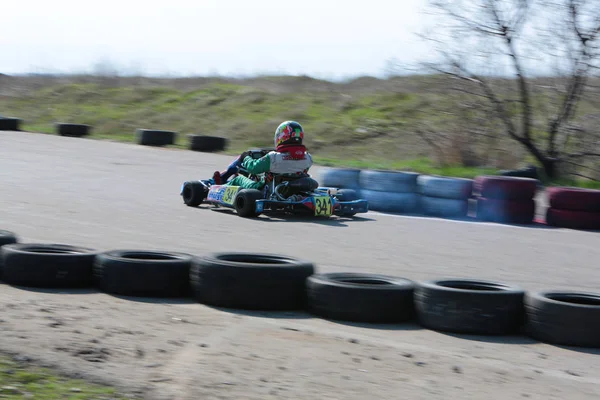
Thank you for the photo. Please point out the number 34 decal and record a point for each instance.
(229, 194)
(323, 205)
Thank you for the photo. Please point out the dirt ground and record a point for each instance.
(108, 196)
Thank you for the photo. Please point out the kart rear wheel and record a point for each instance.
(245, 202)
(193, 193)
(347, 195)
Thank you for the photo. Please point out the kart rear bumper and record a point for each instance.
(339, 207)
(350, 207)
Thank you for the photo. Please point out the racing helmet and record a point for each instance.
(289, 132)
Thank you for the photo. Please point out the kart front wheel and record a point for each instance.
(193, 193)
(245, 202)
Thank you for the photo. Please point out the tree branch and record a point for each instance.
(512, 52)
(582, 154)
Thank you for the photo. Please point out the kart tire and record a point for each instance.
(253, 281)
(360, 297)
(505, 187)
(469, 306)
(143, 273)
(446, 208)
(206, 143)
(444, 187)
(193, 193)
(574, 199)
(73, 130)
(390, 201)
(10, 124)
(343, 178)
(388, 181)
(6, 237)
(563, 318)
(47, 265)
(581, 220)
(506, 211)
(347, 195)
(149, 137)
(245, 202)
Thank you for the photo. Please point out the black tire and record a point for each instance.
(361, 297)
(469, 306)
(245, 202)
(6, 237)
(252, 281)
(143, 273)
(193, 193)
(347, 195)
(10, 124)
(73, 130)
(207, 143)
(48, 265)
(564, 318)
(149, 137)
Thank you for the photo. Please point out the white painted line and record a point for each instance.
(475, 222)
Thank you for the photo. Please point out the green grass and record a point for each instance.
(367, 123)
(18, 381)
(587, 184)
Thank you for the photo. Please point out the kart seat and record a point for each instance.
(304, 184)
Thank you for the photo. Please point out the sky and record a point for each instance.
(322, 38)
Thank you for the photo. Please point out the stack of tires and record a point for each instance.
(573, 208)
(72, 130)
(343, 178)
(10, 124)
(390, 191)
(445, 197)
(504, 199)
(152, 137)
(206, 144)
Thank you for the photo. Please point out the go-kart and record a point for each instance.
(295, 195)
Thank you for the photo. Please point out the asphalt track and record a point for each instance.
(108, 195)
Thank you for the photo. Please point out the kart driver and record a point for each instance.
(289, 158)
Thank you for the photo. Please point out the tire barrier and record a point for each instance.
(564, 318)
(361, 297)
(343, 178)
(73, 130)
(258, 281)
(390, 191)
(150, 137)
(251, 281)
(206, 143)
(469, 306)
(444, 196)
(505, 199)
(47, 265)
(143, 273)
(6, 237)
(10, 124)
(531, 171)
(573, 208)
(391, 202)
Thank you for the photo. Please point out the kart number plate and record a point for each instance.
(323, 206)
(229, 194)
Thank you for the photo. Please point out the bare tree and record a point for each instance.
(557, 38)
